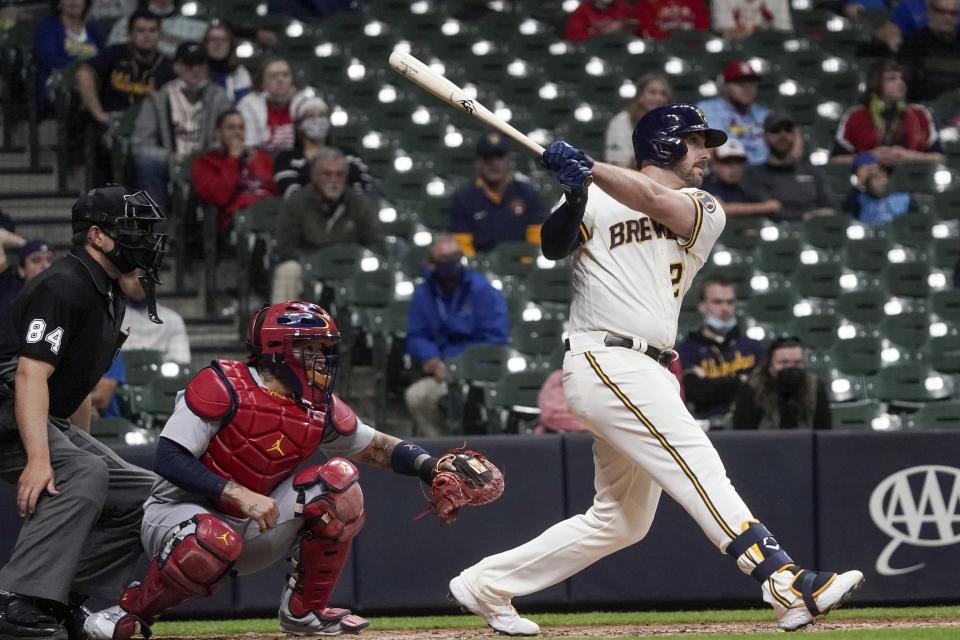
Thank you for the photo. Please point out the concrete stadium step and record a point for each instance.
(24, 209)
(19, 183)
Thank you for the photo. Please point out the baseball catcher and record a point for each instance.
(230, 498)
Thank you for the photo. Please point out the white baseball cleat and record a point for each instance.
(101, 625)
(502, 618)
(799, 596)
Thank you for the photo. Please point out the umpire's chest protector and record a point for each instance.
(262, 439)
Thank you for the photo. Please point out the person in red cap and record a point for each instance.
(738, 19)
(735, 109)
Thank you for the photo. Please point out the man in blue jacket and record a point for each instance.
(452, 309)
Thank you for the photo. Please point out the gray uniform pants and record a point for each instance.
(87, 538)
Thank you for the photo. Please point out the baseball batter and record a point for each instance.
(638, 239)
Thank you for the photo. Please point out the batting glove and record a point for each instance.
(559, 152)
(573, 177)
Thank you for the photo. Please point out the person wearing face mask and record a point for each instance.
(452, 309)
(311, 116)
(716, 358)
(324, 214)
(170, 337)
(782, 394)
(176, 121)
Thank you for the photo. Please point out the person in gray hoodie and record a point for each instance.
(176, 121)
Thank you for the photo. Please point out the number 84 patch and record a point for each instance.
(36, 330)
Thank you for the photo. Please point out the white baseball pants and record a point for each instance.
(645, 441)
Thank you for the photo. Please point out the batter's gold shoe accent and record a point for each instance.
(502, 618)
(800, 596)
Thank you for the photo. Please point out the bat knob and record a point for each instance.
(587, 181)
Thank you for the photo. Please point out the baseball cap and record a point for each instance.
(32, 246)
(492, 145)
(739, 70)
(732, 148)
(190, 53)
(863, 159)
(776, 119)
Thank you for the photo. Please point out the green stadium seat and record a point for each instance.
(915, 177)
(112, 429)
(781, 255)
(142, 365)
(537, 338)
(867, 254)
(511, 258)
(802, 107)
(908, 279)
(945, 252)
(483, 363)
(944, 353)
(368, 289)
(772, 307)
(947, 204)
(856, 416)
(738, 273)
(154, 401)
(910, 383)
(838, 177)
(857, 356)
(256, 223)
(908, 330)
(515, 396)
(827, 232)
(946, 304)
(862, 307)
(936, 415)
(332, 266)
(742, 232)
(549, 285)
(842, 87)
(820, 280)
(913, 229)
(816, 331)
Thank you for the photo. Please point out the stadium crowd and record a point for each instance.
(219, 115)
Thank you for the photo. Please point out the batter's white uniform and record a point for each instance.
(169, 505)
(629, 276)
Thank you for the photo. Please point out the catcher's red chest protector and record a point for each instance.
(263, 437)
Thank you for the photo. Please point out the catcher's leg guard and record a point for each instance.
(330, 501)
(192, 563)
(797, 595)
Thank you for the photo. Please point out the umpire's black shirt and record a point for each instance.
(69, 316)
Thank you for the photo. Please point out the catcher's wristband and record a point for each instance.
(410, 459)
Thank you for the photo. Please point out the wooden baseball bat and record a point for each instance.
(426, 78)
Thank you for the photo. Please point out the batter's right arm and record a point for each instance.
(669, 207)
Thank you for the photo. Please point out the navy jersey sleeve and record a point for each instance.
(45, 324)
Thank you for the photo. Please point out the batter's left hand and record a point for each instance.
(559, 152)
(574, 177)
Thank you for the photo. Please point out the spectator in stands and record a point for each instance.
(225, 67)
(782, 394)
(268, 110)
(312, 120)
(735, 110)
(327, 213)
(727, 169)
(230, 176)
(716, 358)
(34, 256)
(913, 15)
(170, 337)
(104, 395)
(598, 18)
(884, 123)
(738, 19)
(659, 18)
(122, 74)
(453, 308)
(931, 55)
(175, 28)
(496, 207)
(60, 39)
(870, 201)
(800, 189)
(176, 121)
(653, 91)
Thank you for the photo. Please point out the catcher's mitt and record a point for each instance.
(474, 482)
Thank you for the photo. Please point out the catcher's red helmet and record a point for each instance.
(299, 340)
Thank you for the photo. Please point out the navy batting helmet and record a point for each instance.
(658, 135)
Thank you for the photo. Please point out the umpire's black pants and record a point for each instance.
(86, 539)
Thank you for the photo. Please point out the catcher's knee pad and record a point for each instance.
(330, 501)
(758, 553)
(192, 563)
